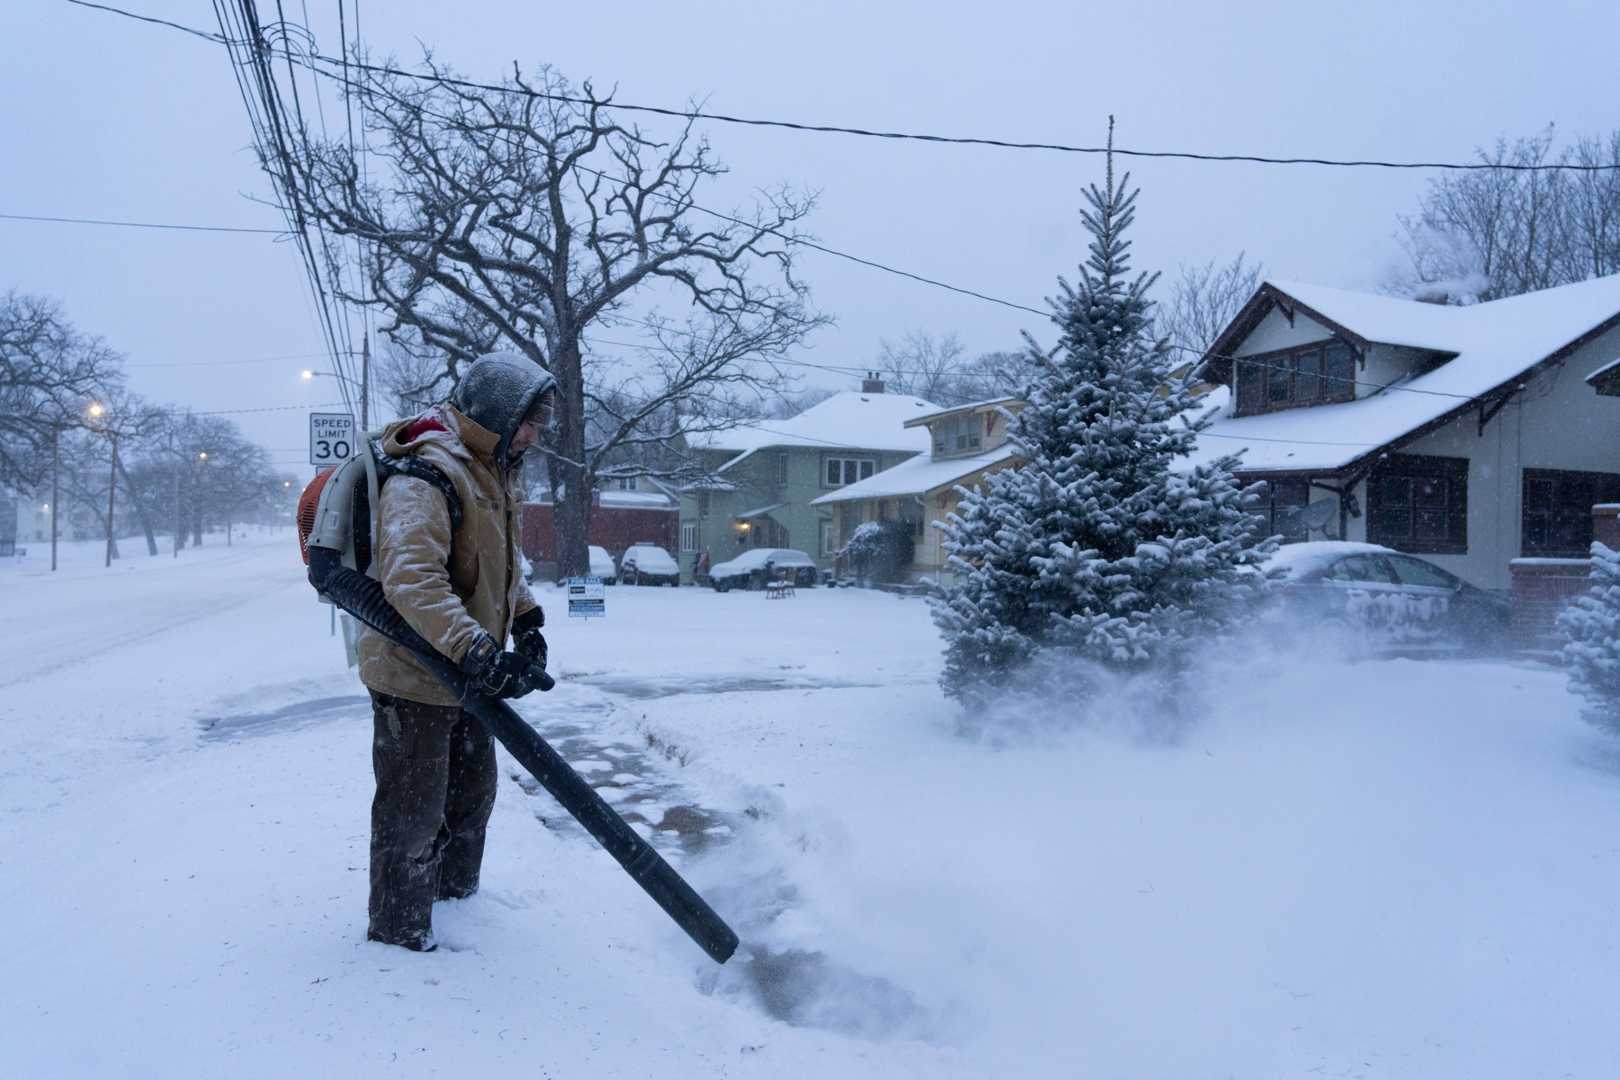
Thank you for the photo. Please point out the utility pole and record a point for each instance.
(56, 484)
(112, 494)
(179, 518)
(365, 384)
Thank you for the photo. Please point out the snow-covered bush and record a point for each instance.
(880, 551)
(1101, 546)
(1591, 628)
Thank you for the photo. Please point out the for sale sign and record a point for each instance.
(331, 438)
(587, 599)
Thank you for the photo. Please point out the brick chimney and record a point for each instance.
(872, 384)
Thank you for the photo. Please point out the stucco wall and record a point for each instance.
(1556, 422)
(1274, 332)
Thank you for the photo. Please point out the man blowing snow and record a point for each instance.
(460, 588)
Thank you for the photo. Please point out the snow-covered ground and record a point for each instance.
(1390, 868)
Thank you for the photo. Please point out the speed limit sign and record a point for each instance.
(331, 438)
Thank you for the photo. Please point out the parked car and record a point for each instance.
(602, 565)
(754, 569)
(1387, 599)
(648, 564)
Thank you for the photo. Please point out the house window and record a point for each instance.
(957, 433)
(622, 483)
(1278, 506)
(782, 468)
(1556, 520)
(688, 536)
(841, 471)
(1419, 504)
(828, 546)
(1309, 375)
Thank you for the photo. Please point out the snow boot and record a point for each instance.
(422, 943)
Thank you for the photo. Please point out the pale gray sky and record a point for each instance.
(109, 118)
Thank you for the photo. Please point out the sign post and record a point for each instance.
(331, 438)
(587, 599)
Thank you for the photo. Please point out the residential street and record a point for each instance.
(1385, 869)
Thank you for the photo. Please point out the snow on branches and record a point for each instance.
(1099, 548)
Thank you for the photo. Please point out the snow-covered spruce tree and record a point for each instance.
(1591, 628)
(1098, 548)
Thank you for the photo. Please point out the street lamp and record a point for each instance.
(360, 388)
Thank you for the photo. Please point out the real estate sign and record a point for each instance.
(587, 598)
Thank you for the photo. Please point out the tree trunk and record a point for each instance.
(137, 499)
(572, 511)
(196, 527)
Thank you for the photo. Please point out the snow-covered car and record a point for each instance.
(757, 568)
(648, 564)
(602, 565)
(1385, 598)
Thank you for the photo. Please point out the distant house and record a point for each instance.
(965, 444)
(1468, 435)
(627, 510)
(768, 473)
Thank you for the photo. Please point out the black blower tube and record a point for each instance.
(363, 598)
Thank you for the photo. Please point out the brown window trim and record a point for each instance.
(1268, 362)
(1605, 487)
(1452, 471)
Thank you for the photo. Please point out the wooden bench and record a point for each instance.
(778, 590)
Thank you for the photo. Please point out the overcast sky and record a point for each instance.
(109, 118)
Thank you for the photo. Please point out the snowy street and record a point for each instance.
(1389, 869)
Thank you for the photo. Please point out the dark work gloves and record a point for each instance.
(527, 638)
(499, 674)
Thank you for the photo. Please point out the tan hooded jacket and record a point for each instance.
(449, 588)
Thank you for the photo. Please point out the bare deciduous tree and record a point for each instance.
(1485, 234)
(49, 374)
(1203, 300)
(521, 220)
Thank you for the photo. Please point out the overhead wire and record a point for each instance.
(143, 224)
(875, 133)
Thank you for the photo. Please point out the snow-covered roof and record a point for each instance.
(969, 407)
(848, 419)
(1494, 343)
(635, 498)
(917, 476)
(759, 511)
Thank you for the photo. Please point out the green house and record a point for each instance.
(768, 472)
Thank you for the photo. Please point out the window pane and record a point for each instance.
(1291, 492)
(1429, 492)
(1417, 572)
(849, 471)
(1338, 373)
(1278, 379)
(1307, 384)
(867, 468)
(1395, 490)
(1536, 531)
(1538, 494)
(834, 477)
(1362, 568)
(1249, 387)
(1430, 525)
(1391, 524)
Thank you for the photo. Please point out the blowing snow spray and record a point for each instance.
(333, 512)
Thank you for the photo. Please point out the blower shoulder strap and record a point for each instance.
(425, 471)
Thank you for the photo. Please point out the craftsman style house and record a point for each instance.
(766, 474)
(965, 444)
(1469, 435)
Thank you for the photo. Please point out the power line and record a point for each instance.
(230, 363)
(143, 224)
(873, 133)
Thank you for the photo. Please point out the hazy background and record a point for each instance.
(109, 118)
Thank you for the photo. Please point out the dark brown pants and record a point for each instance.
(436, 779)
